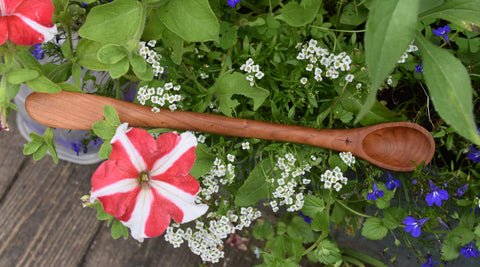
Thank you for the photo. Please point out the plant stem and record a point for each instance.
(336, 30)
(341, 202)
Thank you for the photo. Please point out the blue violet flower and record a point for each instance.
(419, 67)
(442, 31)
(305, 217)
(376, 193)
(430, 262)
(38, 53)
(414, 226)
(469, 251)
(461, 190)
(474, 156)
(436, 196)
(392, 183)
(233, 3)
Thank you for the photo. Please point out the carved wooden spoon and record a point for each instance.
(393, 146)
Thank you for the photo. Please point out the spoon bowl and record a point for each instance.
(397, 146)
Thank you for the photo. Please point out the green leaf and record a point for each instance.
(86, 53)
(203, 162)
(326, 252)
(105, 150)
(297, 16)
(228, 35)
(321, 222)
(450, 88)
(69, 87)
(31, 147)
(192, 20)
(40, 152)
(393, 217)
(377, 114)
(111, 115)
(236, 83)
(57, 72)
(255, 187)
(373, 228)
(464, 13)
(312, 205)
(458, 237)
(67, 50)
(116, 22)
(19, 76)
(263, 229)
(77, 74)
(390, 28)
(43, 85)
(103, 129)
(118, 69)
(353, 14)
(299, 229)
(119, 230)
(111, 53)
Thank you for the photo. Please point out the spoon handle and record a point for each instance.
(79, 111)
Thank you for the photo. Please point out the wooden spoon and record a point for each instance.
(393, 146)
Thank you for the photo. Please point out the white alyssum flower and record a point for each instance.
(348, 158)
(250, 67)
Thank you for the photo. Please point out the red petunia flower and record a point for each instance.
(26, 22)
(146, 182)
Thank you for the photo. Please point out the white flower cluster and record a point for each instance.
(333, 179)
(219, 173)
(152, 58)
(411, 48)
(286, 193)
(348, 158)
(320, 60)
(253, 70)
(207, 241)
(160, 96)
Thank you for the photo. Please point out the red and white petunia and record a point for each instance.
(26, 22)
(146, 182)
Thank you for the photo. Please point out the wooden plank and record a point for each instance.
(11, 155)
(43, 222)
(106, 251)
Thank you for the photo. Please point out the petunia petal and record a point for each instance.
(172, 150)
(132, 148)
(182, 200)
(109, 173)
(28, 22)
(3, 30)
(39, 11)
(24, 31)
(140, 214)
(118, 199)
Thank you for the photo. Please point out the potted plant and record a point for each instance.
(318, 64)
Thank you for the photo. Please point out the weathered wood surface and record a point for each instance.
(42, 222)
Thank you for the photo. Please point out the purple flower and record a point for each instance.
(474, 156)
(414, 226)
(469, 251)
(430, 262)
(38, 53)
(305, 217)
(419, 67)
(375, 193)
(461, 190)
(436, 196)
(442, 31)
(232, 3)
(392, 183)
